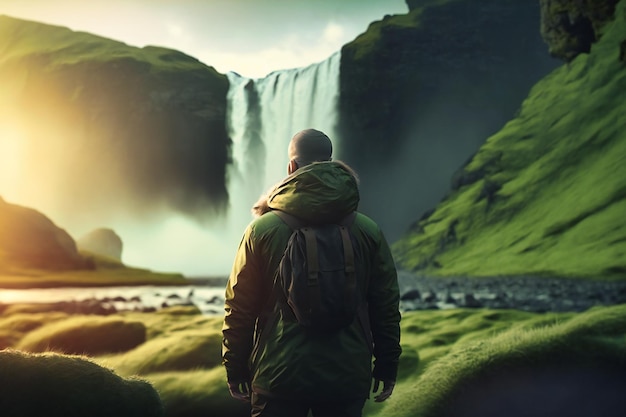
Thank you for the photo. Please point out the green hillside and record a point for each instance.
(22, 39)
(546, 195)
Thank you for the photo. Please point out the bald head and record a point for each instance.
(310, 145)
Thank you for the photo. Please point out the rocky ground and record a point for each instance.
(536, 294)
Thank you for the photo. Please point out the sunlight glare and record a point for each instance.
(10, 161)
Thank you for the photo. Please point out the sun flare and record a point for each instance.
(10, 161)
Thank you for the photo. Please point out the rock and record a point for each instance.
(470, 301)
(535, 294)
(411, 295)
(102, 241)
(571, 27)
(29, 239)
(429, 297)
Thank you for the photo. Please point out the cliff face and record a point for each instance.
(546, 195)
(113, 126)
(29, 240)
(571, 27)
(420, 93)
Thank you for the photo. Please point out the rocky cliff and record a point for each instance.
(420, 92)
(571, 27)
(29, 240)
(114, 127)
(546, 195)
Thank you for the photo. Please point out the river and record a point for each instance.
(209, 299)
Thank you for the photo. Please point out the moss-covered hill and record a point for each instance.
(112, 122)
(546, 195)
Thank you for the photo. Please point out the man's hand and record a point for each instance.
(240, 390)
(386, 392)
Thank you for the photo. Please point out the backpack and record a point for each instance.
(316, 281)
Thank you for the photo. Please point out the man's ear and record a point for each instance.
(292, 167)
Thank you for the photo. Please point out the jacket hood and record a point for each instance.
(321, 192)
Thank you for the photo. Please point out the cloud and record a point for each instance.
(334, 33)
(260, 63)
(294, 50)
(175, 30)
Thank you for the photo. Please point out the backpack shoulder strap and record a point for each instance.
(295, 223)
(292, 221)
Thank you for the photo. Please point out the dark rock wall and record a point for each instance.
(571, 27)
(421, 92)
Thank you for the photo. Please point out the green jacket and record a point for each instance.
(289, 362)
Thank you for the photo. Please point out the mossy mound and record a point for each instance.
(14, 326)
(573, 367)
(185, 350)
(546, 195)
(85, 335)
(70, 386)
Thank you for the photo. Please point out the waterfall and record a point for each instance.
(263, 115)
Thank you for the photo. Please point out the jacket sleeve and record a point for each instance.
(241, 310)
(383, 300)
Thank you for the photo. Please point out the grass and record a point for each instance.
(70, 386)
(559, 170)
(107, 272)
(98, 278)
(85, 335)
(447, 355)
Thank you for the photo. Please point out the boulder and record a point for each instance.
(102, 241)
(28, 239)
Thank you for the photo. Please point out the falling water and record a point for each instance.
(263, 115)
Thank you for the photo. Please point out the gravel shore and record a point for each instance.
(536, 294)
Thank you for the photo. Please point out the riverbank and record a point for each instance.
(528, 293)
(100, 277)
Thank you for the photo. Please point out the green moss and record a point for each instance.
(180, 351)
(560, 169)
(516, 342)
(85, 335)
(444, 351)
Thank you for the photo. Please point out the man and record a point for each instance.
(288, 371)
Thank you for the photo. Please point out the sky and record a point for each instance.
(250, 37)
